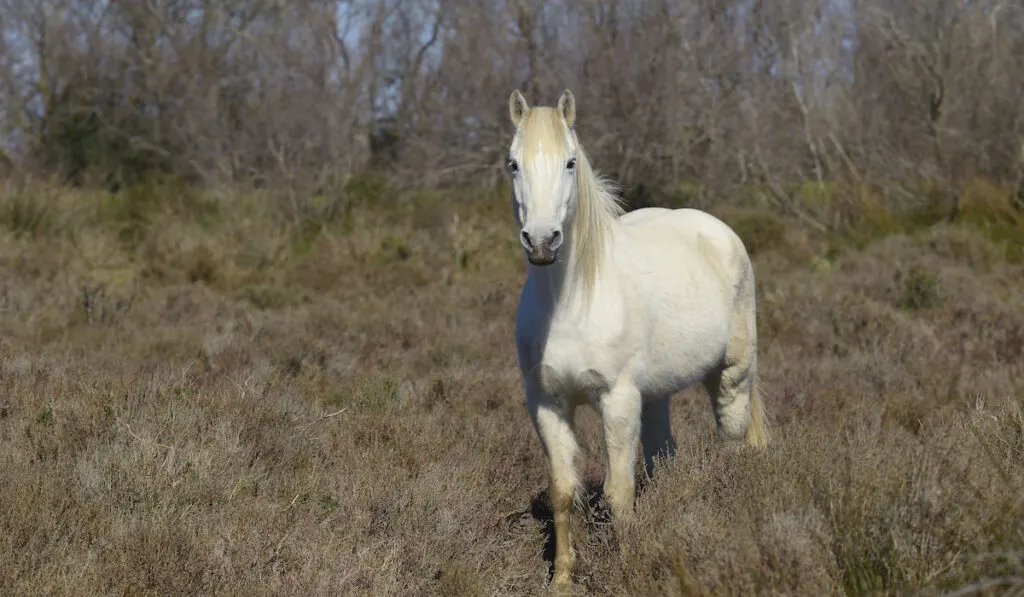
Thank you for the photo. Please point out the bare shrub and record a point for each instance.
(321, 416)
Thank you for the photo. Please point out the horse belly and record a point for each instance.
(683, 349)
(667, 374)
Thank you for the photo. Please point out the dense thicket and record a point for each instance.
(789, 98)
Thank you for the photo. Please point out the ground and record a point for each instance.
(196, 398)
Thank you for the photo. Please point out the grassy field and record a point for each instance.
(198, 399)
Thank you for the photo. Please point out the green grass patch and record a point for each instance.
(268, 297)
(816, 196)
(26, 216)
(919, 290)
(133, 211)
(373, 393)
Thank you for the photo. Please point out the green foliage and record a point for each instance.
(393, 248)
(981, 205)
(991, 209)
(313, 215)
(133, 210)
(45, 415)
(367, 188)
(329, 209)
(875, 220)
(95, 137)
(27, 216)
(816, 196)
(373, 393)
(377, 393)
(760, 230)
(328, 504)
(268, 296)
(920, 290)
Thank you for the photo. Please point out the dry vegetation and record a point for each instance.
(197, 399)
(258, 276)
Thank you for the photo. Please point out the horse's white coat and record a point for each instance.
(635, 308)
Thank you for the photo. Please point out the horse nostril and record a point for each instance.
(556, 239)
(526, 240)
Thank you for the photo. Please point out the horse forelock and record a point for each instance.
(543, 140)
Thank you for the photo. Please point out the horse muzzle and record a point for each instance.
(542, 249)
(541, 254)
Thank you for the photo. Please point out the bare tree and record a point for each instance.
(721, 96)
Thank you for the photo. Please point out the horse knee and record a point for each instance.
(563, 495)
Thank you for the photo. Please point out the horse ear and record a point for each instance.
(567, 107)
(517, 107)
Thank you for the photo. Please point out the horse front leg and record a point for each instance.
(553, 420)
(620, 418)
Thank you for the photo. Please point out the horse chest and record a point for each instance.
(580, 362)
(575, 351)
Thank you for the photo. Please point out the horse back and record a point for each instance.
(692, 238)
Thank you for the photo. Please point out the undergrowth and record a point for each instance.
(266, 394)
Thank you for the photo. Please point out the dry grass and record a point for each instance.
(197, 399)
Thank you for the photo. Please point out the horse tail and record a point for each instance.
(757, 435)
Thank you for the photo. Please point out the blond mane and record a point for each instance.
(599, 206)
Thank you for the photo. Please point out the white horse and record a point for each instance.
(621, 311)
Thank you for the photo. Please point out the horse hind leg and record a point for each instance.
(739, 412)
(656, 432)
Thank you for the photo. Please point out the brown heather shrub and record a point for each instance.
(235, 405)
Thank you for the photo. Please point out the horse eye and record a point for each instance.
(571, 164)
(512, 165)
